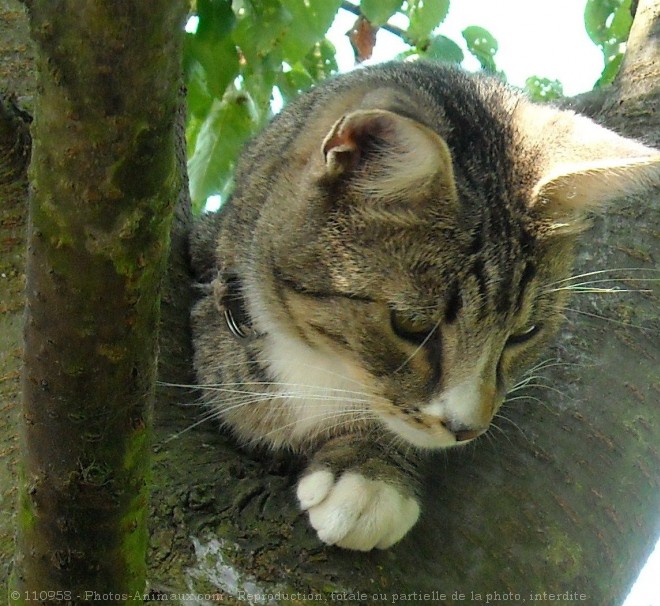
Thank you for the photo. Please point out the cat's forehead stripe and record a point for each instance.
(285, 282)
(331, 335)
(282, 298)
(478, 270)
(526, 277)
(433, 349)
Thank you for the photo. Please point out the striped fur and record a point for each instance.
(390, 243)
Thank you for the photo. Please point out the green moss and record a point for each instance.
(133, 526)
(26, 522)
(130, 224)
(73, 368)
(113, 353)
(564, 553)
(138, 263)
(27, 519)
(134, 532)
(143, 170)
(137, 449)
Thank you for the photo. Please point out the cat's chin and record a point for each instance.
(431, 439)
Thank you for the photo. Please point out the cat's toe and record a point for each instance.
(357, 512)
(314, 487)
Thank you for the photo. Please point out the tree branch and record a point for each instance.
(393, 29)
(15, 141)
(643, 50)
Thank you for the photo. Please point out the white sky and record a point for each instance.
(536, 38)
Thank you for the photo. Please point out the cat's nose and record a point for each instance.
(463, 433)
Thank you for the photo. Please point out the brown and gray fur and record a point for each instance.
(390, 252)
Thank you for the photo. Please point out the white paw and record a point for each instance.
(355, 512)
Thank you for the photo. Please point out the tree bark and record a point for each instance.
(16, 89)
(563, 499)
(103, 185)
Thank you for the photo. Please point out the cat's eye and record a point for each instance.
(410, 328)
(524, 335)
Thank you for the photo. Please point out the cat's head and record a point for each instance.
(423, 255)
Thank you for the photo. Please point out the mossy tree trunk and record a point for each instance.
(564, 500)
(16, 90)
(104, 180)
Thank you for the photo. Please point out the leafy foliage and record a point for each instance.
(442, 48)
(543, 89)
(246, 57)
(424, 16)
(608, 23)
(239, 53)
(378, 12)
(482, 45)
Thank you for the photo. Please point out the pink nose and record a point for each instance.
(463, 433)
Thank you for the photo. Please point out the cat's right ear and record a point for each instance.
(387, 156)
(583, 165)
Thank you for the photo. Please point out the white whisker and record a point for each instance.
(599, 291)
(605, 318)
(495, 426)
(541, 386)
(419, 347)
(602, 271)
(588, 286)
(505, 418)
(351, 413)
(226, 386)
(524, 397)
(335, 374)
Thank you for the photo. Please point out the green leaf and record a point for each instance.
(293, 82)
(193, 126)
(317, 65)
(621, 22)
(210, 55)
(258, 88)
(596, 16)
(198, 97)
(261, 28)
(425, 16)
(309, 22)
(320, 62)
(482, 45)
(404, 55)
(217, 143)
(442, 48)
(543, 89)
(610, 71)
(378, 12)
(216, 19)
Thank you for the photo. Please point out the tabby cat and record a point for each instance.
(382, 271)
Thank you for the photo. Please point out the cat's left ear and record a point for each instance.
(585, 165)
(387, 156)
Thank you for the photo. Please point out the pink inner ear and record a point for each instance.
(337, 138)
(345, 144)
(340, 150)
(340, 140)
